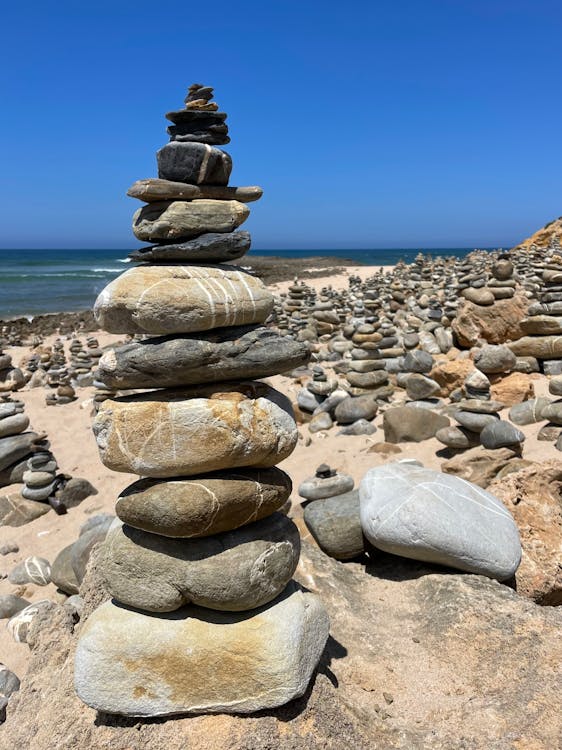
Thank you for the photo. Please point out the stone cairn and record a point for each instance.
(205, 617)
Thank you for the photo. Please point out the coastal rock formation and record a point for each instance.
(200, 528)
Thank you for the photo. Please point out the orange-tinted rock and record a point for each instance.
(495, 324)
(533, 497)
(512, 389)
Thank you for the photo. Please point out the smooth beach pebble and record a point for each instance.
(426, 515)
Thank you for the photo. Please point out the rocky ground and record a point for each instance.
(419, 656)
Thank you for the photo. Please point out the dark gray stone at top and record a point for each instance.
(214, 246)
(220, 355)
(194, 163)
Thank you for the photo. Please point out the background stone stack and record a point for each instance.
(202, 527)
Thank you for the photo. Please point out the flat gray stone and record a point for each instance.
(492, 359)
(35, 570)
(529, 412)
(426, 515)
(218, 247)
(10, 604)
(224, 354)
(474, 421)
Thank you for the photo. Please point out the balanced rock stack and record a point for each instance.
(205, 617)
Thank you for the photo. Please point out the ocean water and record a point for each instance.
(40, 281)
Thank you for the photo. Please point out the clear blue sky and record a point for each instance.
(395, 123)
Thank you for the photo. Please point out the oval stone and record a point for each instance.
(425, 515)
(204, 505)
(192, 431)
(161, 300)
(184, 220)
(196, 661)
(233, 571)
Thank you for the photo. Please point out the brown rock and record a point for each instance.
(534, 498)
(495, 324)
(204, 505)
(174, 220)
(451, 375)
(180, 433)
(512, 389)
(479, 465)
(541, 347)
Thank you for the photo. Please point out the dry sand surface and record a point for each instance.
(69, 431)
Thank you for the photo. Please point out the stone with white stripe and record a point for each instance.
(35, 570)
(195, 430)
(425, 515)
(176, 221)
(195, 163)
(167, 299)
(207, 504)
(222, 354)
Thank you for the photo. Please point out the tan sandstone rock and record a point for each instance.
(451, 375)
(534, 498)
(161, 299)
(495, 324)
(479, 465)
(200, 429)
(175, 220)
(512, 389)
(541, 347)
(197, 661)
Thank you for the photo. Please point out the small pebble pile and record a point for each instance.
(205, 617)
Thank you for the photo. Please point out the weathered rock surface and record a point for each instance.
(233, 571)
(207, 504)
(181, 433)
(534, 497)
(422, 514)
(511, 389)
(200, 662)
(154, 189)
(404, 424)
(479, 465)
(215, 247)
(494, 324)
(435, 651)
(224, 354)
(184, 220)
(161, 300)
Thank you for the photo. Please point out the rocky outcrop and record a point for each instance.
(534, 498)
(487, 660)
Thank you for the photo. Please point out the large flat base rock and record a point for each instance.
(196, 661)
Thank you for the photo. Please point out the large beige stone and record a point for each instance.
(207, 504)
(232, 572)
(162, 299)
(197, 661)
(185, 432)
(541, 347)
(173, 220)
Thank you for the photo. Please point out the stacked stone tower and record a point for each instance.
(204, 615)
